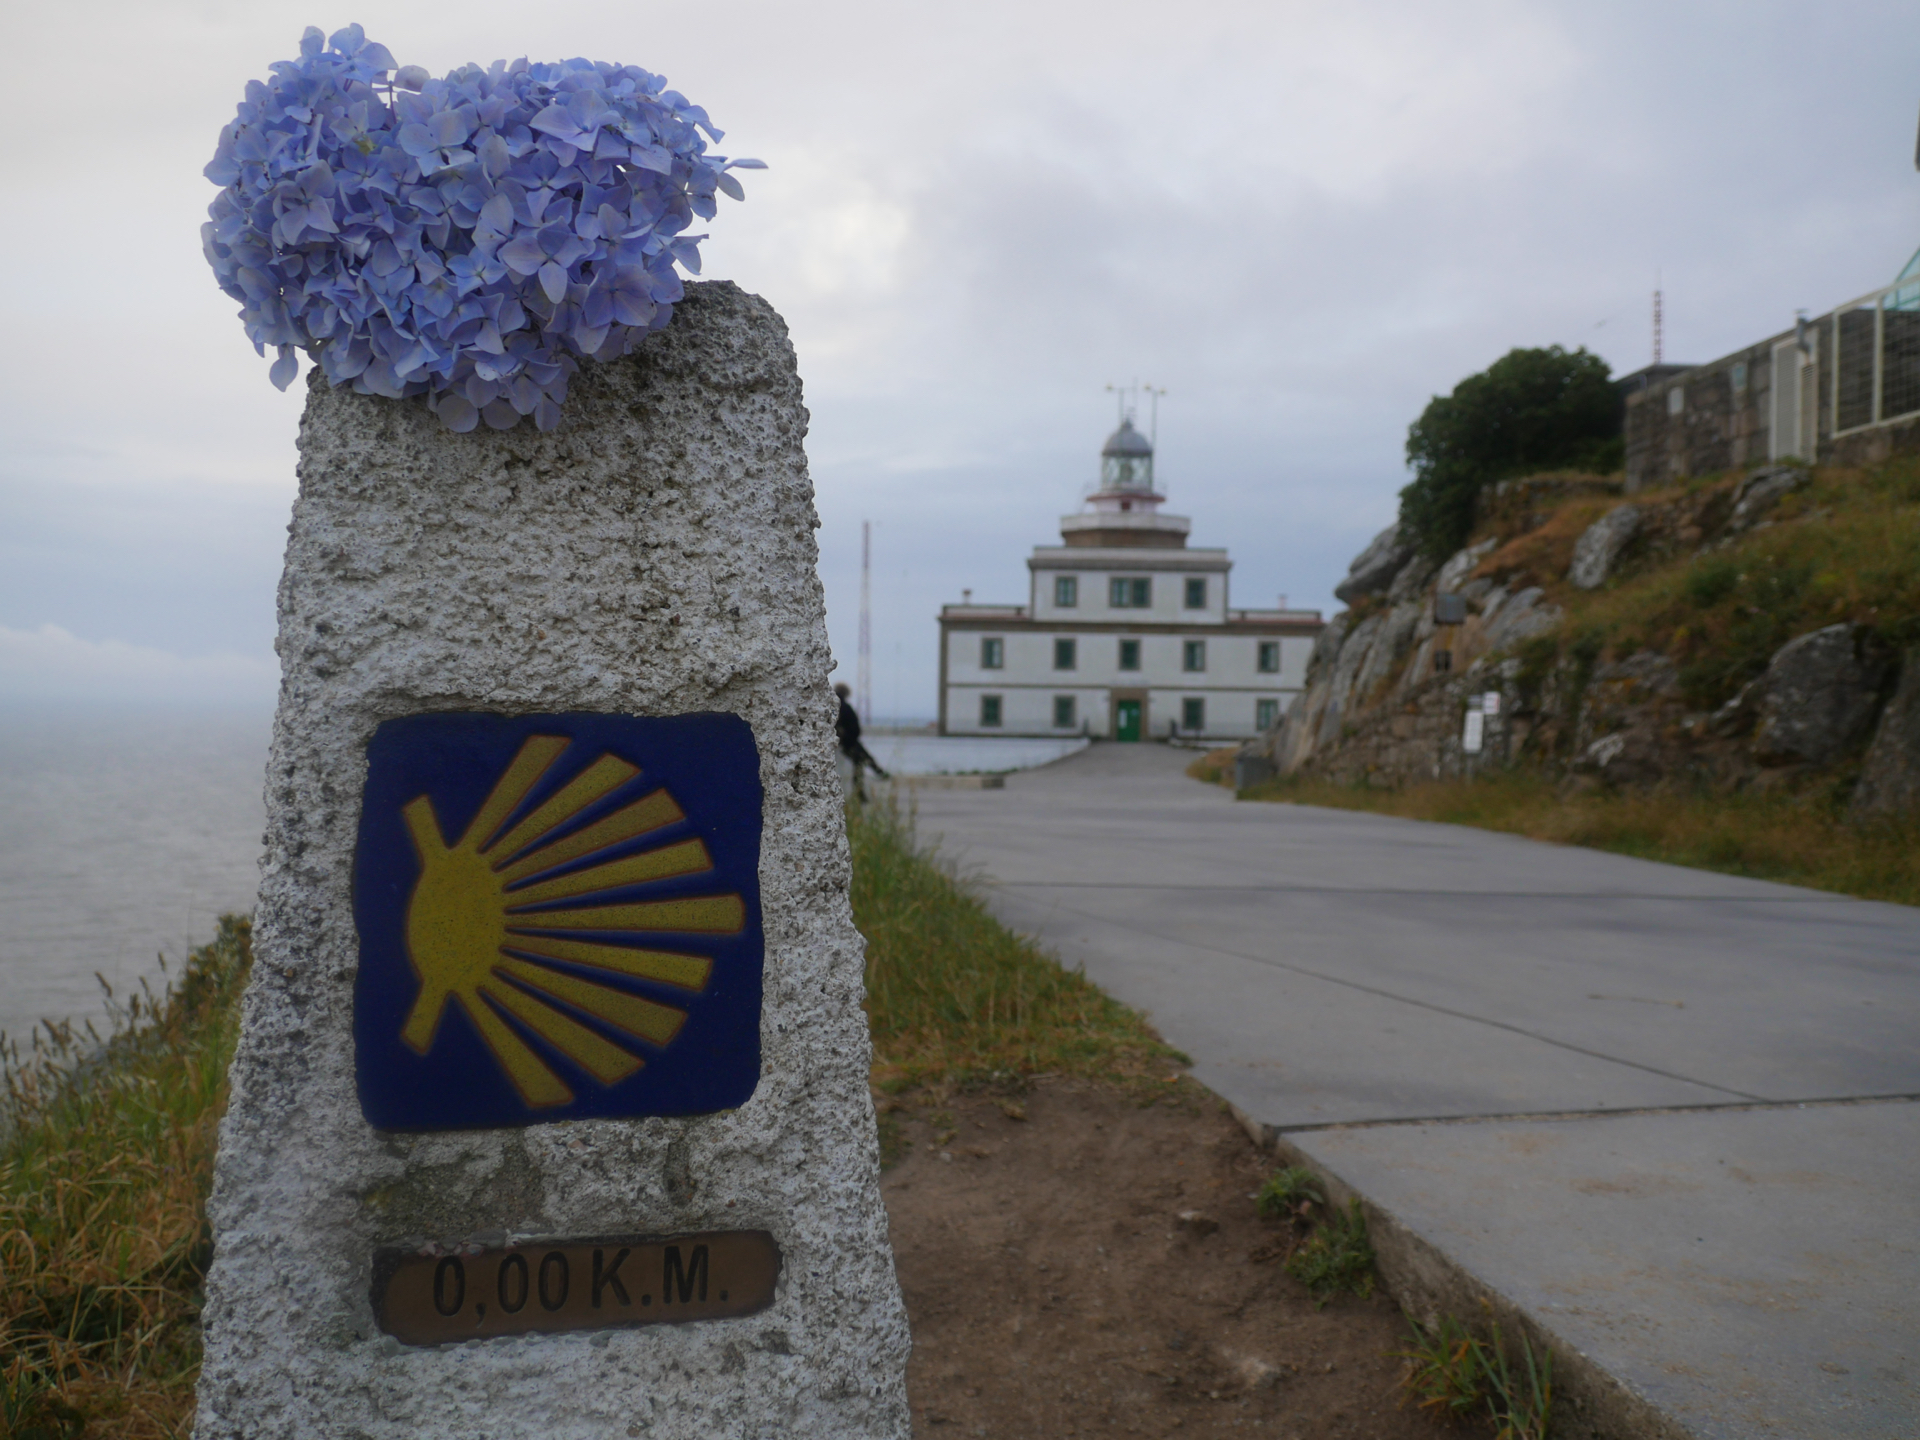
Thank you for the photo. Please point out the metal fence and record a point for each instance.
(1876, 358)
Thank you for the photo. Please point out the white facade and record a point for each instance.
(1126, 634)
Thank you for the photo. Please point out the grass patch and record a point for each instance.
(1798, 839)
(954, 997)
(1453, 1374)
(1214, 767)
(107, 1143)
(1846, 548)
(106, 1157)
(1288, 1194)
(1337, 1258)
(1334, 1257)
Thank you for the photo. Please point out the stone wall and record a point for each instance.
(1722, 418)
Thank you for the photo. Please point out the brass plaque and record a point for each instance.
(550, 1286)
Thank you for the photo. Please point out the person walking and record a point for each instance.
(847, 727)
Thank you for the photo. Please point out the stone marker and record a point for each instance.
(550, 1113)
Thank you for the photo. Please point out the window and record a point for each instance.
(1066, 591)
(989, 709)
(1676, 399)
(1065, 654)
(1193, 714)
(1197, 593)
(993, 652)
(1063, 713)
(1193, 656)
(1129, 654)
(1269, 658)
(1266, 714)
(1130, 594)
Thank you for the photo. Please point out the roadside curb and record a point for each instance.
(950, 782)
(1590, 1402)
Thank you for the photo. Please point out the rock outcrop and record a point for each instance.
(1761, 491)
(1600, 545)
(1392, 679)
(1890, 778)
(1819, 697)
(1374, 568)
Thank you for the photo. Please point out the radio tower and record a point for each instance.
(863, 676)
(1656, 321)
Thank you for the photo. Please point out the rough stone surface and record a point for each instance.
(1519, 617)
(1374, 567)
(1460, 565)
(1890, 779)
(1389, 648)
(1762, 490)
(1624, 720)
(653, 556)
(1818, 697)
(1411, 579)
(1600, 545)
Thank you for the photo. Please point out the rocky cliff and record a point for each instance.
(1723, 633)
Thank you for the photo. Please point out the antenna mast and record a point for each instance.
(1153, 426)
(863, 676)
(1656, 319)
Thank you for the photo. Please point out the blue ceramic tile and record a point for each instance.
(559, 917)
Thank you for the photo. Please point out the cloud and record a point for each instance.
(54, 664)
(1303, 219)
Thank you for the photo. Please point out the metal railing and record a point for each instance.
(1876, 358)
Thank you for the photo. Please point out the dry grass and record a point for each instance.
(1847, 548)
(107, 1145)
(956, 998)
(1215, 767)
(1798, 839)
(1541, 556)
(106, 1156)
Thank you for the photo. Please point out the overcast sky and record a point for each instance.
(1303, 220)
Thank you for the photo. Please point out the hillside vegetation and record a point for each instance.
(106, 1156)
(1722, 673)
(1845, 548)
(107, 1142)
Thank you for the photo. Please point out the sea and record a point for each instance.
(126, 832)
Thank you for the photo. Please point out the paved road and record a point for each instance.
(1750, 1265)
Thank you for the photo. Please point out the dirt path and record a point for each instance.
(1053, 1289)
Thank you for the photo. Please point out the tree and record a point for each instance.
(1530, 410)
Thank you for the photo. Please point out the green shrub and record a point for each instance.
(1336, 1258)
(1763, 606)
(1452, 1374)
(1529, 411)
(1288, 1194)
(1710, 579)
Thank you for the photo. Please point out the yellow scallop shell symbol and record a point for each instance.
(477, 917)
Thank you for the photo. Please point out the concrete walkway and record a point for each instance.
(1669, 1114)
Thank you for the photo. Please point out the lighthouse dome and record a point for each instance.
(1127, 441)
(1126, 460)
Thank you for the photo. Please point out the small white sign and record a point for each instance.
(1490, 703)
(1476, 731)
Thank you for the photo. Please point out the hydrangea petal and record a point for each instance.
(468, 240)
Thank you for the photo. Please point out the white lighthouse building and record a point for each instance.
(1127, 634)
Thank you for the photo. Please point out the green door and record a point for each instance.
(1126, 722)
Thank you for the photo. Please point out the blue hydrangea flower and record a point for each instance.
(470, 239)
